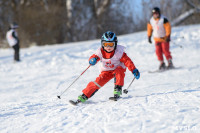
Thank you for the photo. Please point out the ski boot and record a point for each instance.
(162, 66)
(117, 93)
(82, 98)
(170, 64)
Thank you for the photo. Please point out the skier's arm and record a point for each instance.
(167, 27)
(149, 29)
(149, 32)
(14, 36)
(127, 62)
(94, 56)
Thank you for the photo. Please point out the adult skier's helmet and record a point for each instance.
(109, 36)
(156, 10)
(14, 25)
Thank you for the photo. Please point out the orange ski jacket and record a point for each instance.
(160, 28)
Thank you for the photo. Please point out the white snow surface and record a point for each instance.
(167, 102)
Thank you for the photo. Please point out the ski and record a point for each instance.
(74, 102)
(156, 71)
(163, 70)
(113, 98)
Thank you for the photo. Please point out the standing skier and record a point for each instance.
(161, 29)
(113, 65)
(13, 40)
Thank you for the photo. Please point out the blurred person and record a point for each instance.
(161, 29)
(13, 40)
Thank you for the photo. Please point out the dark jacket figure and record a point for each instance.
(13, 40)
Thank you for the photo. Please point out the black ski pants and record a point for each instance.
(16, 53)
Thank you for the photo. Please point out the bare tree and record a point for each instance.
(40, 21)
(195, 8)
(95, 17)
(109, 15)
(81, 24)
(58, 21)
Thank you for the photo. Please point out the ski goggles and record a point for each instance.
(108, 44)
(155, 13)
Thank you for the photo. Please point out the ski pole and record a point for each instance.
(176, 38)
(73, 82)
(179, 37)
(177, 44)
(126, 90)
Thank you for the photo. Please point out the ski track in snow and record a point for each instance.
(167, 102)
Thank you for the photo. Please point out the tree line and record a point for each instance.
(59, 21)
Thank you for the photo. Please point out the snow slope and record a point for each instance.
(167, 102)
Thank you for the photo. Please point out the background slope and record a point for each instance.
(160, 102)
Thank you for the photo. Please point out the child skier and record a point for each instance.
(113, 65)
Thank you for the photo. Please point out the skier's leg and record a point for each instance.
(167, 53)
(159, 53)
(100, 81)
(16, 52)
(119, 74)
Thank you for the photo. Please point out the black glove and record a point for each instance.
(149, 39)
(168, 39)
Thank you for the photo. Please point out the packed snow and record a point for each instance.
(167, 102)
